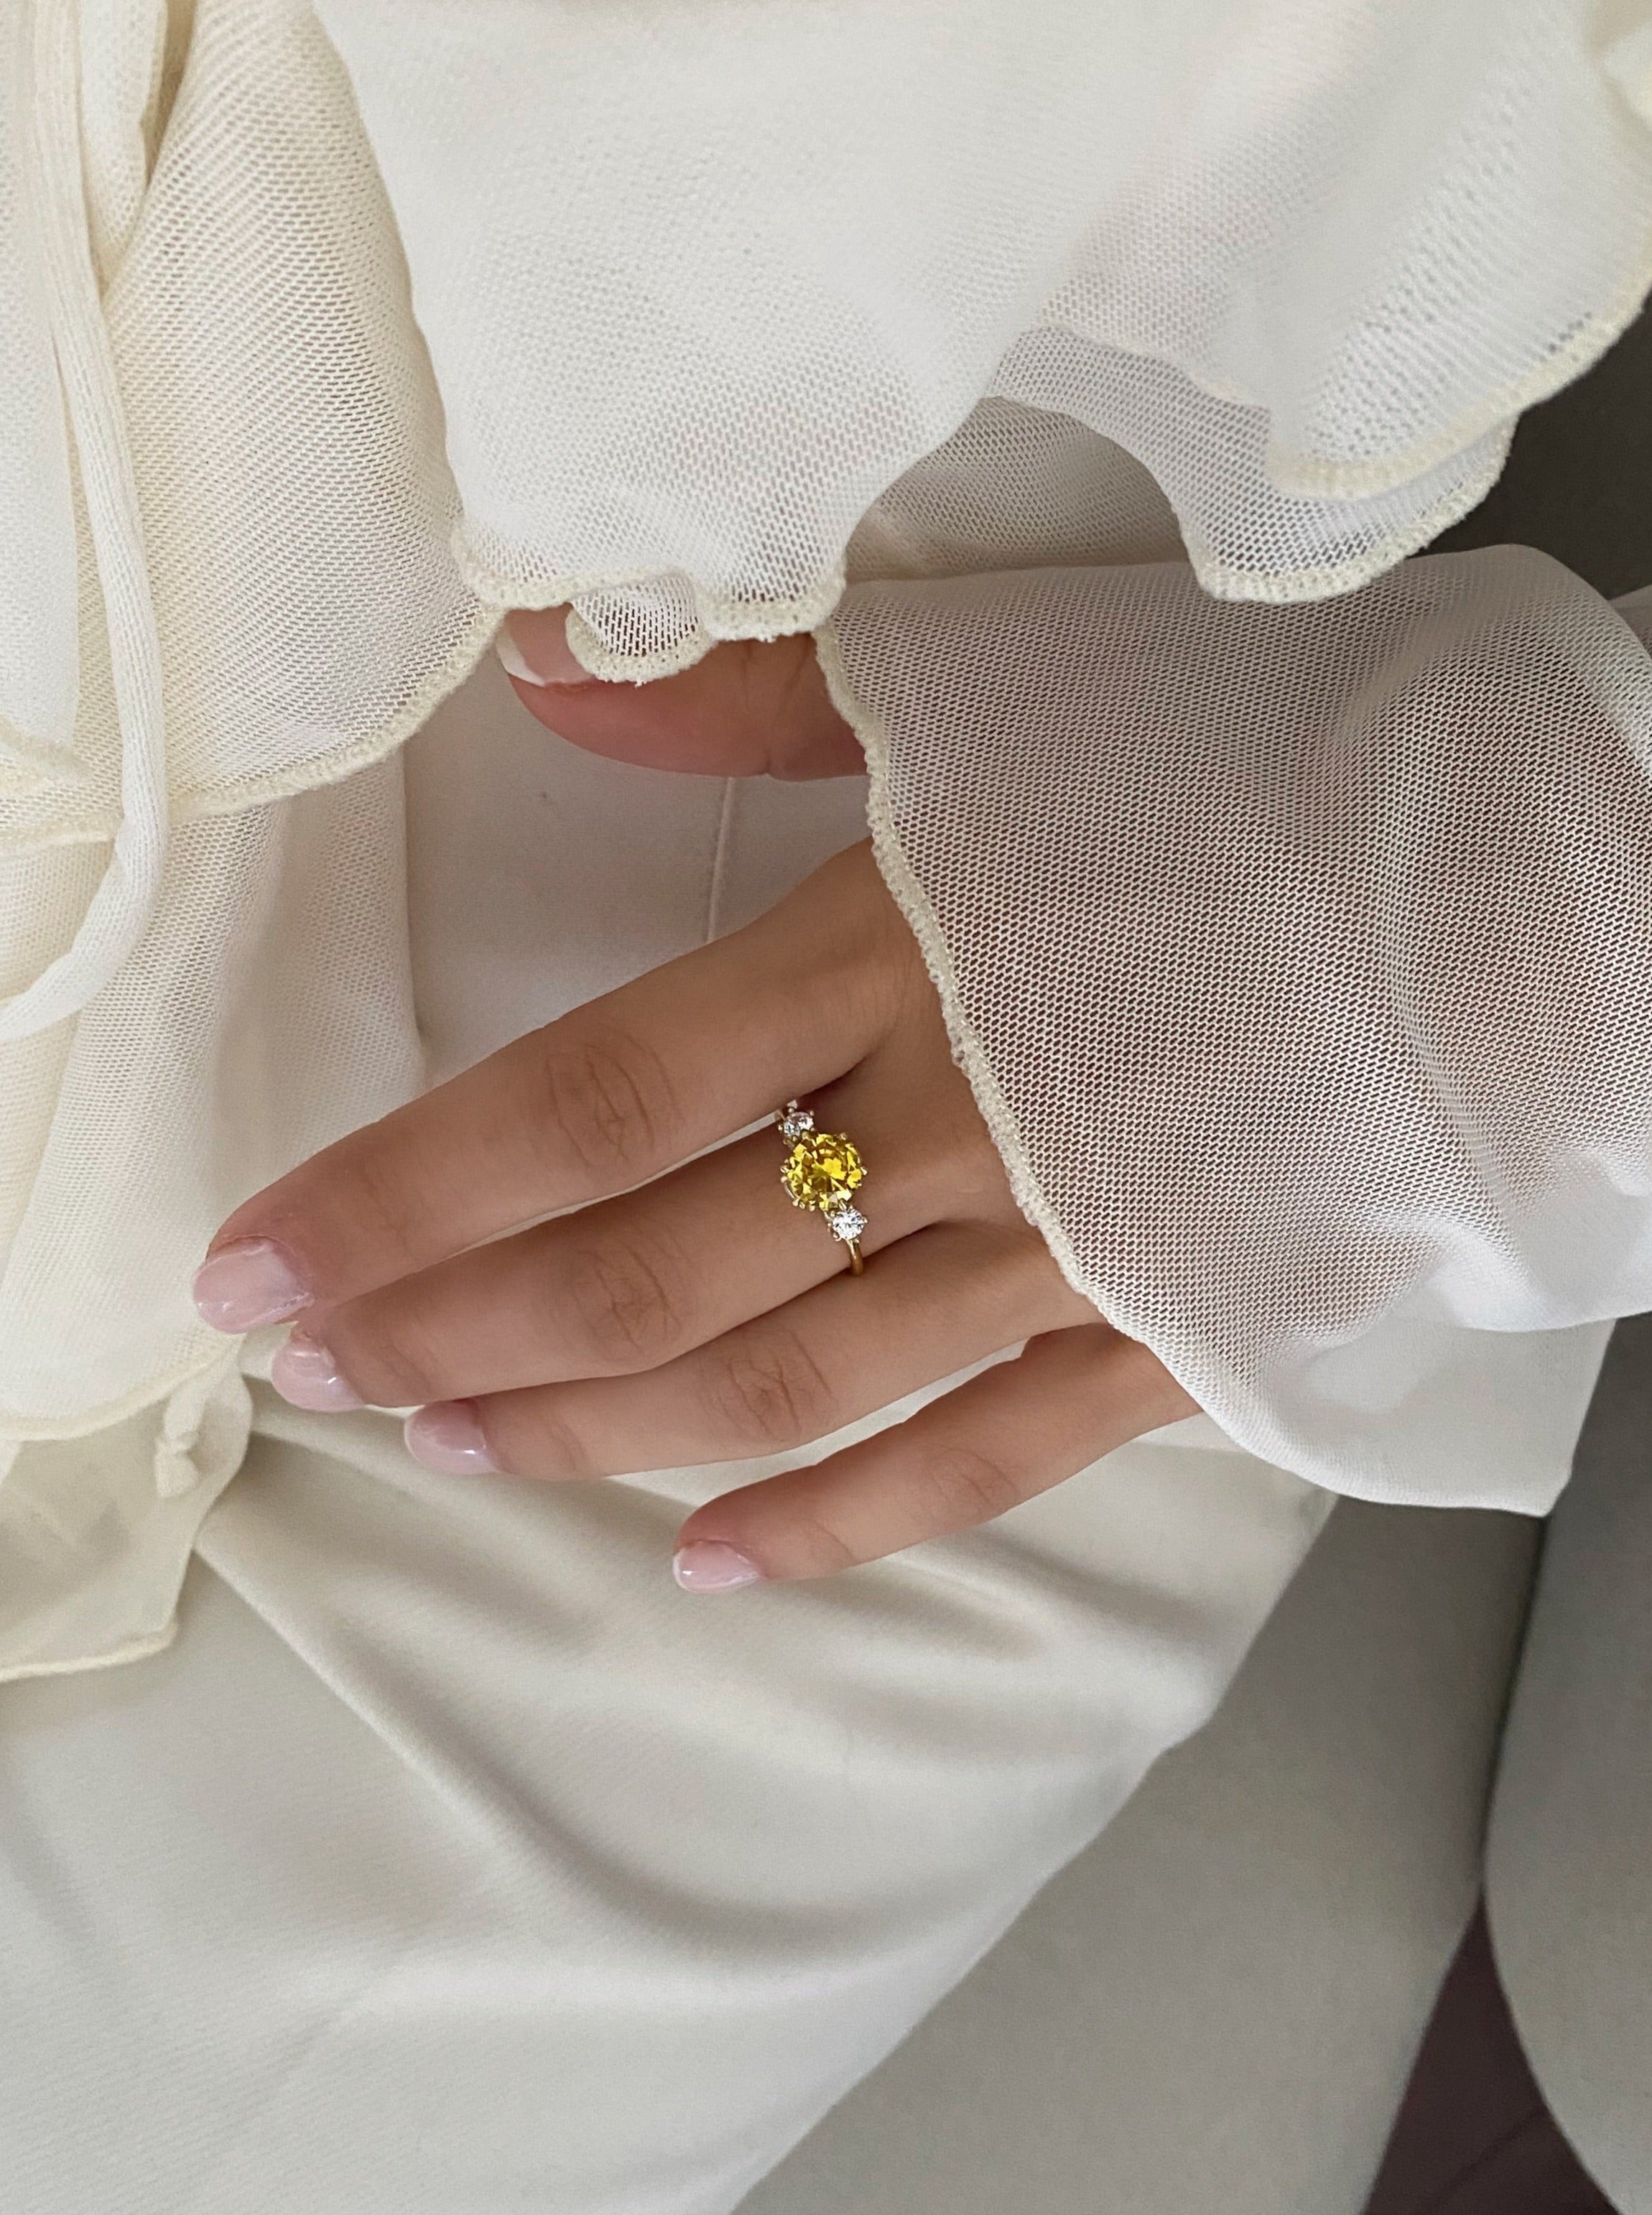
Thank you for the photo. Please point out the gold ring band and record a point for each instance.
(821, 1172)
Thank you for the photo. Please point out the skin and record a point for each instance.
(679, 1310)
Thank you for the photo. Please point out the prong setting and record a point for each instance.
(821, 1171)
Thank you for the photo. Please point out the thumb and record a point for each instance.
(751, 708)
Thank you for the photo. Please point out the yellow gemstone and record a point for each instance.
(822, 1170)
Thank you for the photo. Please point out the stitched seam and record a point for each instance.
(914, 904)
(1312, 476)
(1329, 579)
(723, 614)
(26, 1430)
(199, 803)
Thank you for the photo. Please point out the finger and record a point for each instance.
(964, 1459)
(935, 1303)
(609, 1096)
(630, 1283)
(606, 1291)
(751, 708)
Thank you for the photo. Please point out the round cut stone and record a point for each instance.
(846, 1221)
(795, 1124)
(821, 1170)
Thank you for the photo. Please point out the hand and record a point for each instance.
(749, 709)
(699, 1317)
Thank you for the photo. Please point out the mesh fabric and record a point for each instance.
(726, 271)
(328, 328)
(1300, 959)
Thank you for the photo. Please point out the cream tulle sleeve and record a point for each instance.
(1301, 961)
(701, 278)
(330, 330)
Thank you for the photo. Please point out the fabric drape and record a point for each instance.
(330, 329)
(1300, 961)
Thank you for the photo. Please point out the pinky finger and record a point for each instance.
(1014, 1431)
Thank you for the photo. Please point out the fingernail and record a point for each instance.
(447, 1436)
(249, 1283)
(534, 648)
(305, 1372)
(707, 1565)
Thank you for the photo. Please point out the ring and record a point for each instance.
(821, 1173)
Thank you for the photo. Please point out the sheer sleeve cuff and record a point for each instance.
(1301, 961)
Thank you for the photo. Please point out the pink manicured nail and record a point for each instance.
(305, 1372)
(707, 1565)
(534, 648)
(249, 1283)
(447, 1436)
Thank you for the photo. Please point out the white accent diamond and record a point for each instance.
(796, 1123)
(846, 1223)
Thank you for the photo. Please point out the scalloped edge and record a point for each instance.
(915, 907)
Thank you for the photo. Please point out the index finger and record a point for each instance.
(606, 1098)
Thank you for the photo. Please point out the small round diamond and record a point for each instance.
(846, 1223)
(796, 1123)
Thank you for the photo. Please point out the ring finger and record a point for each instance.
(609, 1290)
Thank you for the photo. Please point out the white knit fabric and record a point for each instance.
(329, 328)
(1300, 959)
(726, 270)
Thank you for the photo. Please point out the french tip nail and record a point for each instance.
(706, 1565)
(510, 654)
(247, 1284)
(552, 662)
(447, 1436)
(305, 1372)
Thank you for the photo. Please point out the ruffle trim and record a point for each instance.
(704, 615)
(235, 797)
(914, 902)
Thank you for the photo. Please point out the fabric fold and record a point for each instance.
(721, 275)
(402, 311)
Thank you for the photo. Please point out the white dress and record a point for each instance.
(452, 1860)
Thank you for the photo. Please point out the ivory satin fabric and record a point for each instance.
(451, 1862)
